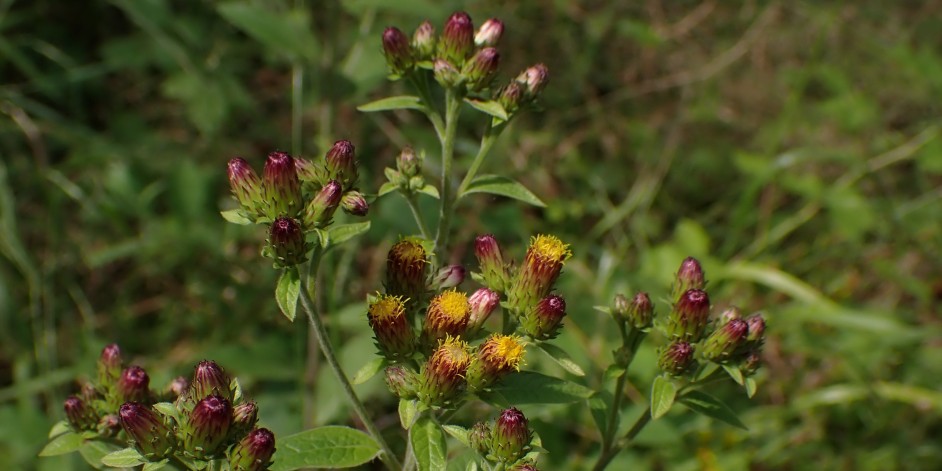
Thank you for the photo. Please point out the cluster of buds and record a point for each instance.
(462, 59)
(505, 440)
(407, 177)
(295, 196)
(203, 418)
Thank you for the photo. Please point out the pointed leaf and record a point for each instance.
(750, 387)
(59, 428)
(699, 401)
(503, 186)
(561, 357)
(332, 446)
(490, 107)
(430, 190)
(235, 216)
(409, 409)
(404, 102)
(93, 451)
(428, 444)
(369, 370)
(530, 387)
(387, 187)
(460, 433)
(734, 373)
(663, 393)
(598, 407)
(126, 458)
(287, 292)
(344, 232)
(155, 465)
(64, 443)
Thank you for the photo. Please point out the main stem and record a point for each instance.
(609, 455)
(386, 456)
(452, 110)
(630, 341)
(487, 141)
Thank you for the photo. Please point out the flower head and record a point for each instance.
(80, 415)
(387, 316)
(151, 436)
(423, 41)
(677, 358)
(406, 270)
(341, 163)
(491, 262)
(479, 437)
(481, 69)
(320, 209)
(448, 276)
(398, 52)
(286, 242)
(354, 203)
(542, 322)
(483, 302)
(510, 436)
(725, 341)
(688, 319)
(511, 96)
(246, 186)
(497, 357)
(134, 385)
(110, 365)
(534, 79)
(541, 267)
(442, 376)
(446, 74)
(209, 379)
(489, 33)
(457, 41)
(244, 417)
(401, 381)
(639, 313)
(689, 276)
(254, 452)
(207, 426)
(756, 329)
(281, 186)
(408, 163)
(448, 315)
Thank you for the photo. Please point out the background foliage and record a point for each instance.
(792, 146)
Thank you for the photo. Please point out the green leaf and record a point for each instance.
(735, 373)
(428, 444)
(489, 107)
(344, 232)
(460, 433)
(662, 396)
(156, 465)
(126, 458)
(64, 443)
(561, 357)
(235, 216)
(387, 188)
(93, 451)
(369, 370)
(59, 428)
(599, 405)
(409, 409)
(503, 186)
(167, 409)
(530, 387)
(750, 387)
(332, 446)
(288, 32)
(430, 190)
(703, 403)
(287, 292)
(403, 102)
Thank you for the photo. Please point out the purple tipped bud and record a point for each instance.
(281, 186)
(491, 262)
(408, 163)
(756, 329)
(151, 436)
(457, 41)
(483, 302)
(534, 80)
(244, 417)
(207, 426)
(134, 384)
(640, 312)
(341, 163)
(110, 365)
(401, 381)
(479, 438)
(489, 33)
(689, 276)
(688, 318)
(309, 171)
(79, 414)
(423, 41)
(398, 52)
(724, 341)
(353, 202)
(510, 436)
(538, 273)
(246, 186)
(448, 277)
(677, 358)
(254, 452)
(446, 74)
(109, 425)
(542, 322)
(286, 242)
(321, 209)
(481, 69)
(406, 270)
(209, 379)
(511, 96)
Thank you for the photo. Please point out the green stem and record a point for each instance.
(386, 456)
(487, 141)
(421, 86)
(452, 110)
(630, 342)
(419, 221)
(607, 456)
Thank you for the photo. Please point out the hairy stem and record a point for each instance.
(487, 141)
(452, 110)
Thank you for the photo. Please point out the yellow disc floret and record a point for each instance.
(548, 247)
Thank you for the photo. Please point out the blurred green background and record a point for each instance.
(793, 147)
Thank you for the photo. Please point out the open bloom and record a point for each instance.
(448, 315)
(442, 376)
(497, 357)
(387, 317)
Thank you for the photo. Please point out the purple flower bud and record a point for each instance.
(448, 277)
(321, 209)
(390, 324)
(542, 322)
(110, 365)
(286, 242)
(534, 80)
(423, 41)
(539, 271)
(491, 262)
(151, 436)
(254, 452)
(408, 163)
(398, 52)
(677, 358)
(479, 438)
(89, 393)
(353, 202)
(640, 312)
(281, 186)
(489, 33)
(79, 414)
(688, 318)
(481, 69)
(457, 41)
(209, 379)
(446, 74)
(756, 329)
(511, 97)
(109, 425)
(483, 302)
(689, 276)
(246, 186)
(401, 381)
(309, 171)
(133, 386)
(207, 426)
(724, 341)
(341, 163)
(511, 436)
(244, 417)
(406, 270)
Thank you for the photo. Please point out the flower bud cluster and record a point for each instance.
(295, 196)
(506, 440)
(202, 418)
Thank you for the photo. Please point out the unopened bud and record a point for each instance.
(151, 436)
(423, 41)
(445, 73)
(110, 365)
(677, 358)
(80, 415)
(246, 186)
(309, 171)
(483, 302)
(689, 276)
(534, 79)
(406, 270)
(281, 186)
(397, 50)
(497, 357)
(448, 315)
(209, 379)
(756, 329)
(640, 312)
(408, 163)
(542, 322)
(688, 319)
(393, 332)
(491, 262)
(442, 376)
(457, 41)
(481, 69)
(133, 386)
(489, 33)
(109, 425)
(354, 203)
(724, 341)
(320, 210)
(447, 277)
(254, 452)
(729, 314)
(401, 381)
(207, 426)
(511, 96)
(341, 163)
(286, 242)
(539, 271)
(511, 436)
(244, 418)
(479, 438)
